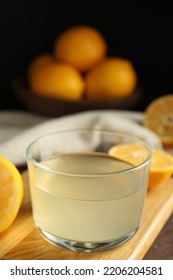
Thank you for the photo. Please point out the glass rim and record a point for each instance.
(50, 170)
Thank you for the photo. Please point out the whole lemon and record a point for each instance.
(57, 80)
(38, 62)
(113, 77)
(80, 46)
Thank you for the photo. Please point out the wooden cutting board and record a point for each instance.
(22, 241)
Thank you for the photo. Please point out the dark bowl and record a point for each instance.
(58, 107)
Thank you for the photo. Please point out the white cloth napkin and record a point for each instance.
(19, 129)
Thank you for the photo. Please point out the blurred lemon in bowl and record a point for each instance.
(38, 62)
(67, 80)
(57, 80)
(81, 47)
(112, 78)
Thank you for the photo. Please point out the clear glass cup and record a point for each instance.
(82, 198)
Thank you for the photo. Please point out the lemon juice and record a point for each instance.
(89, 198)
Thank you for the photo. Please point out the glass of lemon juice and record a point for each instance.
(83, 198)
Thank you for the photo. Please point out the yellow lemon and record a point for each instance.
(37, 62)
(57, 80)
(158, 117)
(161, 166)
(81, 47)
(112, 78)
(11, 193)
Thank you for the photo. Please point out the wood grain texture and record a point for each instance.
(162, 248)
(22, 240)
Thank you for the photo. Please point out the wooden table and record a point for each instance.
(22, 241)
(162, 248)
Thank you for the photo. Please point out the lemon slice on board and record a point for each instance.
(161, 166)
(11, 193)
(130, 153)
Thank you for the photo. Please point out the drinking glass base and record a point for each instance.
(84, 246)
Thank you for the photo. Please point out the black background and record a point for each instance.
(140, 32)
